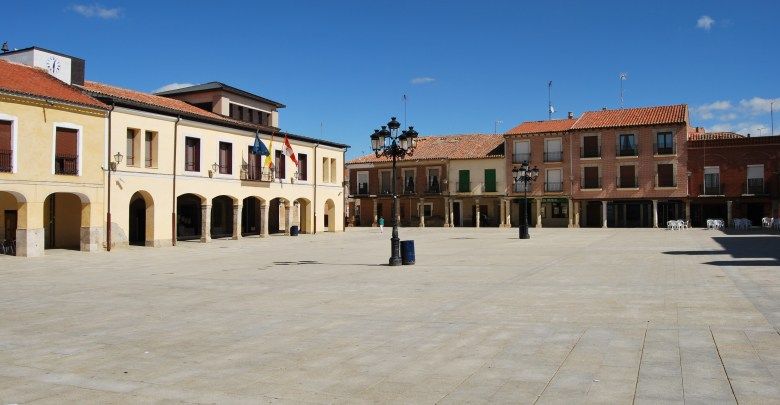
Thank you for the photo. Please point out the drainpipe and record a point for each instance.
(173, 211)
(108, 212)
(316, 162)
(344, 198)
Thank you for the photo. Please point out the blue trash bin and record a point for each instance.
(407, 252)
(294, 230)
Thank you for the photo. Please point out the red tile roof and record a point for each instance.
(698, 136)
(630, 117)
(30, 81)
(537, 127)
(466, 146)
(159, 102)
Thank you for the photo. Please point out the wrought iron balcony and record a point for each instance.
(755, 186)
(588, 184)
(590, 152)
(627, 182)
(66, 164)
(627, 151)
(714, 189)
(553, 187)
(664, 149)
(553, 156)
(5, 160)
(521, 157)
(257, 174)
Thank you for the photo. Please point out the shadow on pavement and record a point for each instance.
(759, 250)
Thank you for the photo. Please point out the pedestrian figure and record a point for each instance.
(381, 225)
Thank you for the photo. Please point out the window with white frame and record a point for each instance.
(755, 179)
(7, 139)
(362, 183)
(553, 181)
(553, 150)
(712, 180)
(522, 152)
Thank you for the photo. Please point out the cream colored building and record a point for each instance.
(52, 147)
(167, 167)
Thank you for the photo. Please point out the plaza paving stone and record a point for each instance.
(613, 316)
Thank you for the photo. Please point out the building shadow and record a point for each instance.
(748, 250)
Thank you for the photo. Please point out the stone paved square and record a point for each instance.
(614, 316)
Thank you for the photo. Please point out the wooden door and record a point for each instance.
(10, 225)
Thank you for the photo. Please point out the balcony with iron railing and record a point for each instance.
(362, 189)
(463, 186)
(664, 149)
(713, 189)
(257, 173)
(385, 189)
(553, 186)
(521, 157)
(66, 164)
(627, 182)
(625, 151)
(489, 187)
(408, 189)
(433, 188)
(755, 186)
(553, 156)
(591, 184)
(520, 187)
(591, 152)
(6, 160)
(666, 182)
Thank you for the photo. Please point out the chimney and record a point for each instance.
(571, 115)
(603, 108)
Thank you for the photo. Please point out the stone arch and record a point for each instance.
(141, 219)
(303, 215)
(252, 216)
(222, 216)
(66, 219)
(189, 216)
(278, 214)
(330, 216)
(13, 216)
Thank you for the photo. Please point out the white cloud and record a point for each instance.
(96, 10)
(422, 80)
(705, 22)
(172, 86)
(707, 111)
(758, 105)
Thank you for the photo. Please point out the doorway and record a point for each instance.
(137, 224)
(456, 213)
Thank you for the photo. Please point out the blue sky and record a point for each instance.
(463, 65)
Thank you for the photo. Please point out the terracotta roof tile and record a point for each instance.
(537, 127)
(698, 136)
(31, 81)
(172, 104)
(465, 146)
(629, 117)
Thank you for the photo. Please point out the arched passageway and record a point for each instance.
(278, 212)
(63, 216)
(303, 215)
(141, 219)
(330, 216)
(10, 207)
(222, 217)
(251, 216)
(188, 217)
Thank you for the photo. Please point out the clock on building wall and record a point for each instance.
(53, 65)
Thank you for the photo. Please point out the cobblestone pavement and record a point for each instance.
(569, 316)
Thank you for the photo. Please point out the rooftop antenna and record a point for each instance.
(5, 47)
(623, 77)
(495, 126)
(550, 109)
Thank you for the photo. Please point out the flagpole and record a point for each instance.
(549, 100)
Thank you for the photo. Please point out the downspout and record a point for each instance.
(175, 149)
(344, 202)
(108, 161)
(316, 162)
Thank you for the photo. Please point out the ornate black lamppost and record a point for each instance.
(525, 175)
(387, 142)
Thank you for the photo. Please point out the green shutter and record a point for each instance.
(490, 180)
(464, 185)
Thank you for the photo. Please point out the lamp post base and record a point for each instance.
(524, 232)
(395, 251)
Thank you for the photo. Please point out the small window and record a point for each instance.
(66, 158)
(225, 158)
(522, 152)
(409, 181)
(303, 166)
(6, 146)
(666, 175)
(333, 172)
(362, 183)
(280, 164)
(325, 170)
(627, 177)
(627, 145)
(150, 149)
(131, 149)
(192, 154)
(590, 147)
(490, 180)
(665, 143)
(590, 177)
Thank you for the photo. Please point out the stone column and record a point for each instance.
(452, 214)
(30, 242)
(263, 220)
(728, 212)
(603, 214)
(287, 221)
(688, 212)
(374, 223)
(205, 223)
(446, 212)
(236, 221)
(422, 212)
(570, 211)
(538, 212)
(655, 213)
(476, 211)
(501, 213)
(576, 214)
